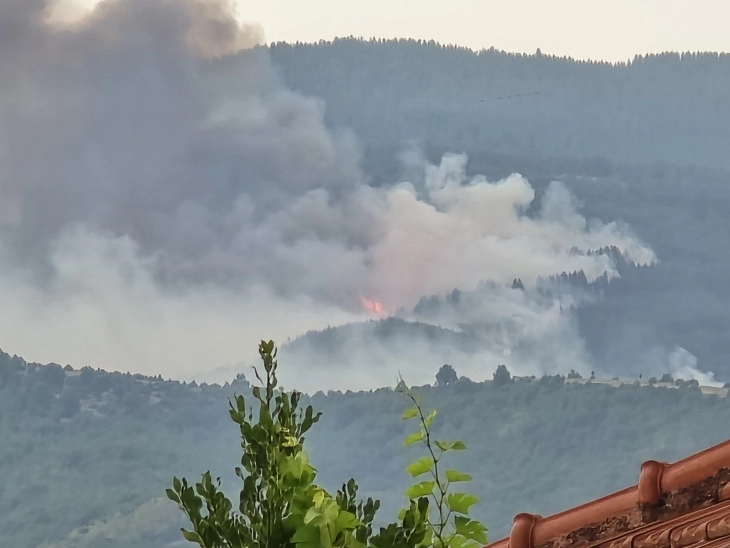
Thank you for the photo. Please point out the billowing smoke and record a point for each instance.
(165, 202)
(683, 365)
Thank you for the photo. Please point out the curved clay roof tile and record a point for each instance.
(655, 479)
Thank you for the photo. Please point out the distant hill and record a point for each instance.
(642, 143)
(670, 108)
(369, 353)
(89, 453)
(598, 329)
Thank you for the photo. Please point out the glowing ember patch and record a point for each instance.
(373, 306)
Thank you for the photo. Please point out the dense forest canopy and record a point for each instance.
(90, 453)
(668, 108)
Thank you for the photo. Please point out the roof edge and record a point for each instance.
(655, 478)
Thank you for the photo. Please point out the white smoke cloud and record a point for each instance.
(165, 203)
(682, 364)
(455, 231)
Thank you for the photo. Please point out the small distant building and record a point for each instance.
(680, 505)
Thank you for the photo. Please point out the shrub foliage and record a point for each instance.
(280, 504)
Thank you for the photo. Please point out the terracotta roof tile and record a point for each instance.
(627, 509)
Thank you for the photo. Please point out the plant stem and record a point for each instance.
(440, 499)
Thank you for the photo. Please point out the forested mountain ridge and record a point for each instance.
(669, 108)
(642, 143)
(90, 453)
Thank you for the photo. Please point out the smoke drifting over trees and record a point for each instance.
(157, 176)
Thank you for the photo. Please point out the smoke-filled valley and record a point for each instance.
(173, 190)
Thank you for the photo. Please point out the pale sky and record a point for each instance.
(597, 29)
(605, 29)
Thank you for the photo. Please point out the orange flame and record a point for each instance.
(373, 306)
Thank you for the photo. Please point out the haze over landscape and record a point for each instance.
(176, 185)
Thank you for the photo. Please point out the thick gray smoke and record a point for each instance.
(165, 202)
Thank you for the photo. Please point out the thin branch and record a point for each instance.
(435, 472)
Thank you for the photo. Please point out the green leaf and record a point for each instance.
(314, 516)
(318, 498)
(290, 441)
(419, 467)
(346, 520)
(410, 413)
(430, 418)
(191, 536)
(415, 437)
(352, 542)
(291, 466)
(470, 529)
(450, 445)
(308, 534)
(172, 496)
(423, 489)
(454, 476)
(427, 537)
(331, 510)
(461, 502)
(456, 541)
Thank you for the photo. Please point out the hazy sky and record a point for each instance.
(606, 29)
(597, 29)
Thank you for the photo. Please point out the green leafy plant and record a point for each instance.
(451, 525)
(280, 505)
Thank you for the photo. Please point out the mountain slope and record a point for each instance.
(83, 451)
(666, 108)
